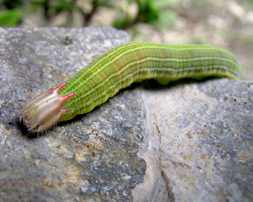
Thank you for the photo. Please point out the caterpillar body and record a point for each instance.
(119, 68)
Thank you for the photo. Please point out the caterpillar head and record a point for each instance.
(45, 110)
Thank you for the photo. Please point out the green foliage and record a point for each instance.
(249, 3)
(153, 12)
(123, 21)
(166, 19)
(10, 18)
(105, 3)
(157, 13)
(62, 5)
(147, 11)
(54, 7)
(164, 3)
(12, 4)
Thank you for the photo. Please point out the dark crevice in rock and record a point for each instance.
(169, 187)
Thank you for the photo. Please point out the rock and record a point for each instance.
(188, 142)
(205, 135)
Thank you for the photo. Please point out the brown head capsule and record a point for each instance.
(45, 110)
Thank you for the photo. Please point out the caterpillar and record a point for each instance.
(119, 68)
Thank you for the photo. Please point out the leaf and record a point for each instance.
(148, 11)
(10, 18)
(122, 21)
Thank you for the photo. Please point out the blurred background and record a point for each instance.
(226, 23)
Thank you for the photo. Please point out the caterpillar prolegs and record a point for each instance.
(119, 68)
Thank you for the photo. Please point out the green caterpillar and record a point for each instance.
(120, 67)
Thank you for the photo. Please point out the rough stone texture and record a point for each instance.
(188, 142)
(205, 135)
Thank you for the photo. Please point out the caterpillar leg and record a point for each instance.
(163, 81)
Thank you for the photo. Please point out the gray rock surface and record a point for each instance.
(205, 137)
(187, 142)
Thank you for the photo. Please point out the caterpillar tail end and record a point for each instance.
(45, 110)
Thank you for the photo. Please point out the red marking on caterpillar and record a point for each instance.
(45, 110)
